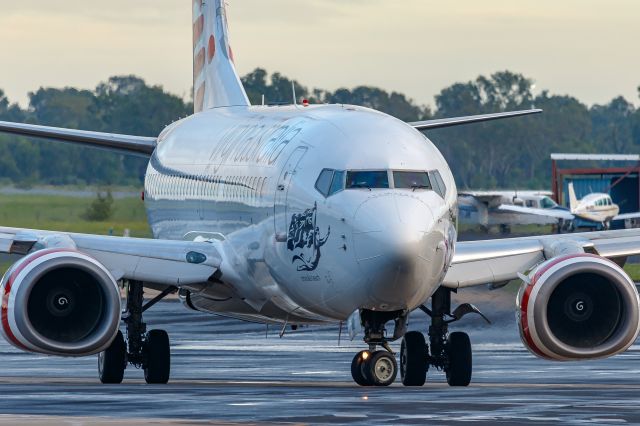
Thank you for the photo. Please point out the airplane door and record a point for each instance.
(282, 189)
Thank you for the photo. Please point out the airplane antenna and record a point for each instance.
(293, 90)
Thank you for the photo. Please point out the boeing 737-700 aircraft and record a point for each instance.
(299, 215)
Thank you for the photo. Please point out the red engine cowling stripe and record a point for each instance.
(527, 294)
(7, 291)
(524, 319)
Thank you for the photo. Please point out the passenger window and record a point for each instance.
(337, 184)
(367, 179)
(324, 181)
(411, 180)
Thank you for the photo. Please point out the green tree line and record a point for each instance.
(509, 153)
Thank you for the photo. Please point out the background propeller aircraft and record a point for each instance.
(595, 207)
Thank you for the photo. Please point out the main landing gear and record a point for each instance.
(146, 350)
(449, 352)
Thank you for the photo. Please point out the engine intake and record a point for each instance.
(59, 302)
(578, 306)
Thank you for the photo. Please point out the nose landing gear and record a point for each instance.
(146, 350)
(377, 367)
(449, 352)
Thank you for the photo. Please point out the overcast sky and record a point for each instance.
(586, 48)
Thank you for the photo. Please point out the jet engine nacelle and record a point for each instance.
(578, 306)
(59, 302)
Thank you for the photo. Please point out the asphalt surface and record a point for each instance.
(226, 371)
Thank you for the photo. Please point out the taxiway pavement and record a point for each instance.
(226, 371)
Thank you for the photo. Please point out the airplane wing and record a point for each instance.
(456, 121)
(501, 260)
(156, 262)
(140, 145)
(560, 214)
(623, 216)
(503, 193)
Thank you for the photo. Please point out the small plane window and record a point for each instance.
(337, 184)
(324, 181)
(411, 180)
(438, 183)
(530, 203)
(367, 179)
(547, 203)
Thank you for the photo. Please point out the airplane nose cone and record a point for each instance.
(398, 245)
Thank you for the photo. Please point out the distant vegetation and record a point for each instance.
(65, 213)
(512, 153)
(101, 208)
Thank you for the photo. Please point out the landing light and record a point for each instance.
(365, 356)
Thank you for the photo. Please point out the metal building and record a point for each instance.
(622, 183)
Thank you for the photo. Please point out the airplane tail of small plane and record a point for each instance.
(215, 80)
(573, 200)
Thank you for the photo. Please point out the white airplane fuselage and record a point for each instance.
(246, 176)
(596, 207)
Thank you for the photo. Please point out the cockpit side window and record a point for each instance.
(324, 181)
(337, 184)
(411, 180)
(438, 183)
(367, 179)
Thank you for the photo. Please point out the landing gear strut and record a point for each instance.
(146, 350)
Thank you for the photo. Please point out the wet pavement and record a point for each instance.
(226, 371)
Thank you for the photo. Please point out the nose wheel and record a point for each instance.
(378, 368)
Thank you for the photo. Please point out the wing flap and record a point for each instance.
(139, 145)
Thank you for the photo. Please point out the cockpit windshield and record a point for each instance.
(411, 180)
(331, 181)
(547, 203)
(367, 179)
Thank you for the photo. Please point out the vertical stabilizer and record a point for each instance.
(573, 201)
(215, 81)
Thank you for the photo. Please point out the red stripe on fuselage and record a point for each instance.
(198, 27)
(198, 64)
(7, 291)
